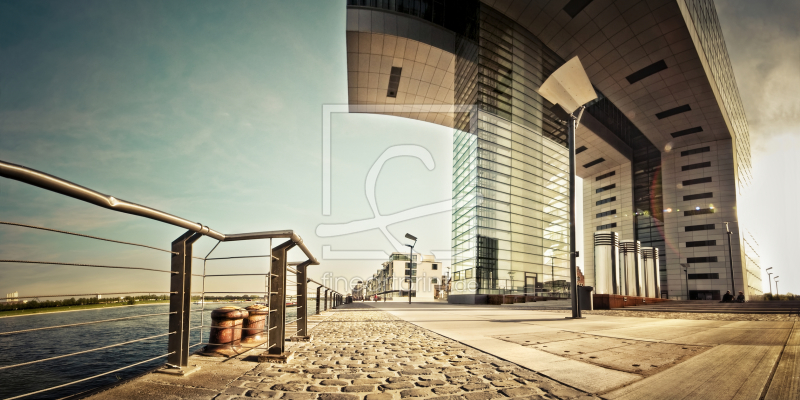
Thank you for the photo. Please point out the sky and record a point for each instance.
(213, 111)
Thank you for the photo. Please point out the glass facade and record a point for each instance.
(510, 226)
(510, 163)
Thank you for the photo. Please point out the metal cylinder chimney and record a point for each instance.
(630, 254)
(652, 276)
(606, 263)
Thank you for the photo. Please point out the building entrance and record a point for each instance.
(704, 295)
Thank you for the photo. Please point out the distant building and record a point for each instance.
(12, 297)
(391, 280)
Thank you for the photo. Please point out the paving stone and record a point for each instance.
(337, 396)
(397, 386)
(288, 387)
(263, 394)
(359, 388)
(365, 381)
(333, 382)
(482, 395)
(323, 389)
(382, 374)
(430, 383)
(350, 376)
(414, 393)
(298, 396)
(521, 391)
(473, 387)
(379, 396)
(447, 389)
(402, 379)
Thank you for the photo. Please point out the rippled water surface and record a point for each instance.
(31, 346)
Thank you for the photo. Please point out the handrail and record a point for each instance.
(67, 188)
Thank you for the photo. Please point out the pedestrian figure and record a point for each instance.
(740, 298)
(727, 298)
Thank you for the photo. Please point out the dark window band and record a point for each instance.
(604, 201)
(674, 111)
(604, 188)
(703, 227)
(701, 243)
(692, 260)
(696, 181)
(695, 151)
(698, 196)
(604, 176)
(696, 166)
(699, 212)
(651, 69)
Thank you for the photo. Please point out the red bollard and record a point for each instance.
(254, 324)
(226, 332)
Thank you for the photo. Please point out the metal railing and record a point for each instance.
(180, 279)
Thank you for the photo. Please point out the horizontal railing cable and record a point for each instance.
(82, 235)
(84, 323)
(85, 351)
(87, 294)
(89, 378)
(231, 258)
(83, 265)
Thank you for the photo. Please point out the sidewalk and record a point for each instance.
(625, 357)
(358, 353)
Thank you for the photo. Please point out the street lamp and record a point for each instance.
(569, 89)
(410, 261)
(777, 291)
(686, 270)
(730, 256)
(769, 277)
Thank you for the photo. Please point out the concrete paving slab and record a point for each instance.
(753, 337)
(551, 335)
(652, 333)
(155, 391)
(760, 324)
(723, 372)
(213, 374)
(786, 381)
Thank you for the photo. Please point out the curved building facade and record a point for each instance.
(663, 151)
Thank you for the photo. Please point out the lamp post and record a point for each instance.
(511, 275)
(730, 257)
(410, 262)
(777, 291)
(769, 279)
(686, 270)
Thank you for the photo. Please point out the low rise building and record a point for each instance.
(392, 279)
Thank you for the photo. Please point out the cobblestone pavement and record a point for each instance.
(360, 353)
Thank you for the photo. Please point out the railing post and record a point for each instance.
(277, 305)
(326, 298)
(180, 299)
(319, 289)
(302, 302)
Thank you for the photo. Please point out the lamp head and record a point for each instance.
(410, 236)
(568, 88)
(768, 269)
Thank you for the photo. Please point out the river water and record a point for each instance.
(31, 346)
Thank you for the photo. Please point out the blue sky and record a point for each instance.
(213, 111)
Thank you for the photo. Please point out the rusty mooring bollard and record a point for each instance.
(254, 323)
(226, 331)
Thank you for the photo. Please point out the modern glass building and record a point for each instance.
(663, 151)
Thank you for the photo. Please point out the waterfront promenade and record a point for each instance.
(393, 351)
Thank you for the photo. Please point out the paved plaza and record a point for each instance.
(394, 351)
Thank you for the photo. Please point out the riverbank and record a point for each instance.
(43, 310)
